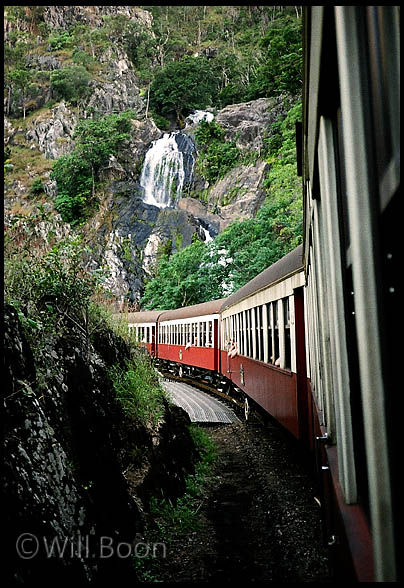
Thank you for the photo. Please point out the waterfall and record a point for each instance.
(167, 169)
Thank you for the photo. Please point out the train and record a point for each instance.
(311, 340)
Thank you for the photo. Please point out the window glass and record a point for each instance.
(286, 317)
(275, 331)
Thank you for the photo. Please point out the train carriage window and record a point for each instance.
(286, 318)
(198, 333)
(210, 334)
(255, 333)
(250, 332)
(260, 334)
(269, 323)
(276, 331)
(247, 327)
(241, 343)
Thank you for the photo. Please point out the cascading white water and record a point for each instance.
(168, 165)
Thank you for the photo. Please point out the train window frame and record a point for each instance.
(260, 333)
(276, 342)
(241, 343)
(287, 334)
(253, 333)
(269, 333)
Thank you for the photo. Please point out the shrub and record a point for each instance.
(49, 285)
(138, 390)
(36, 187)
(60, 39)
(70, 83)
(217, 156)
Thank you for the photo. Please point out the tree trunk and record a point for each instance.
(10, 93)
(148, 100)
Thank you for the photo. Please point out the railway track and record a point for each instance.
(200, 407)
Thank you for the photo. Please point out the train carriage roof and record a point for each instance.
(196, 310)
(287, 265)
(147, 316)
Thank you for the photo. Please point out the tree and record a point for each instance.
(179, 281)
(76, 173)
(282, 68)
(70, 83)
(182, 86)
(21, 78)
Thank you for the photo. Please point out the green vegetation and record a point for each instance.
(138, 390)
(182, 86)
(216, 155)
(253, 51)
(173, 520)
(48, 282)
(76, 173)
(70, 83)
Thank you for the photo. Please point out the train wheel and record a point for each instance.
(246, 409)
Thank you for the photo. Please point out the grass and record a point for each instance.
(174, 520)
(28, 165)
(138, 390)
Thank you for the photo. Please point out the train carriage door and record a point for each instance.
(216, 344)
(303, 406)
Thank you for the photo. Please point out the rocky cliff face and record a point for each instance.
(67, 448)
(126, 234)
(65, 16)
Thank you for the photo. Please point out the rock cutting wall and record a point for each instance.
(67, 446)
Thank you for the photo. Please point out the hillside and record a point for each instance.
(89, 94)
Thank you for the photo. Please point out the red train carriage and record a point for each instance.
(351, 193)
(144, 324)
(261, 346)
(190, 335)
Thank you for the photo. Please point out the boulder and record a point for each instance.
(239, 194)
(54, 134)
(247, 123)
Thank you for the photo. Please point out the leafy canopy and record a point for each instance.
(76, 173)
(182, 86)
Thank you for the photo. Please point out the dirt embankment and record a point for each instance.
(259, 520)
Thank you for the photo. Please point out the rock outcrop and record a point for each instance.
(239, 194)
(247, 123)
(54, 134)
(63, 17)
(118, 90)
(67, 448)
